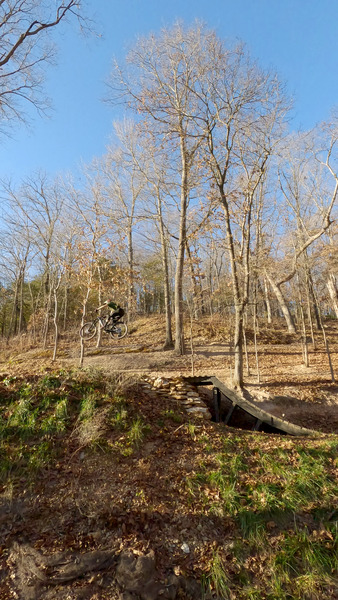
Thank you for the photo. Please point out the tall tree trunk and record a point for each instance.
(83, 319)
(46, 323)
(165, 268)
(131, 292)
(55, 317)
(167, 304)
(333, 292)
(20, 324)
(267, 302)
(33, 311)
(282, 303)
(196, 294)
(179, 323)
(65, 306)
(99, 333)
(309, 284)
(238, 348)
(14, 315)
(237, 377)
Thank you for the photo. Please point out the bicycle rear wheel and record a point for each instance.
(119, 330)
(88, 330)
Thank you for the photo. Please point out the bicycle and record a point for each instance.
(117, 329)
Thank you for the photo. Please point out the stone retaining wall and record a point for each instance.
(178, 390)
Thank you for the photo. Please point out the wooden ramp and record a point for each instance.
(233, 410)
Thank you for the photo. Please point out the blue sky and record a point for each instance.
(297, 38)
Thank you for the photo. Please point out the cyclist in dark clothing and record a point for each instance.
(117, 311)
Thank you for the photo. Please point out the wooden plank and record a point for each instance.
(229, 414)
(216, 394)
(251, 408)
(257, 425)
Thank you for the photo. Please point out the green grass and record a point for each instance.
(217, 580)
(307, 561)
(38, 416)
(137, 431)
(174, 416)
(281, 495)
(119, 414)
(274, 497)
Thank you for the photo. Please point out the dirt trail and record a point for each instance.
(287, 389)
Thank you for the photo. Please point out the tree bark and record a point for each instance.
(282, 303)
(166, 285)
(267, 302)
(333, 292)
(179, 322)
(55, 317)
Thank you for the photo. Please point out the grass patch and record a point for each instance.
(257, 511)
(172, 415)
(217, 580)
(307, 562)
(39, 416)
(281, 495)
(137, 432)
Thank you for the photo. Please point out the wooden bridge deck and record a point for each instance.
(257, 419)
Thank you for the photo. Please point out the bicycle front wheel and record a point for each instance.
(119, 331)
(88, 331)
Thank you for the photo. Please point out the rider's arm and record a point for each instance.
(103, 305)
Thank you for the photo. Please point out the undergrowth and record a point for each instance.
(276, 495)
(43, 418)
(282, 497)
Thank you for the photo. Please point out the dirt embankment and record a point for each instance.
(280, 384)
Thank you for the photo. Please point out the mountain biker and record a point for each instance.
(117, 311)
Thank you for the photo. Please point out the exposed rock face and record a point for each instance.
(137, 577)
(136, 573)
(38, 576)
(35, 575)
(179, 391)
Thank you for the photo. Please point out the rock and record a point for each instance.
(199, 411)
(135, 573)
(192, 588)
(152, 591)
(128, 596)
(32, 569)
(185, 548)
(169, 592)
(199, 403)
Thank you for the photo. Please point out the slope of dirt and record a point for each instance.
(73, 524)
(124, 484)
(287, 388)
(283, 385)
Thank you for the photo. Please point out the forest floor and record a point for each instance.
(282, 384)
(109, 493)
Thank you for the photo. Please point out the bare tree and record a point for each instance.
(153, 162)
(308, 180)
(160, 81)
(25, 49)
(15, 260)
(38, 203)
(244, 110)
(122, 185)
(89, 246)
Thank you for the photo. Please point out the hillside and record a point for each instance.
(112, 492)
